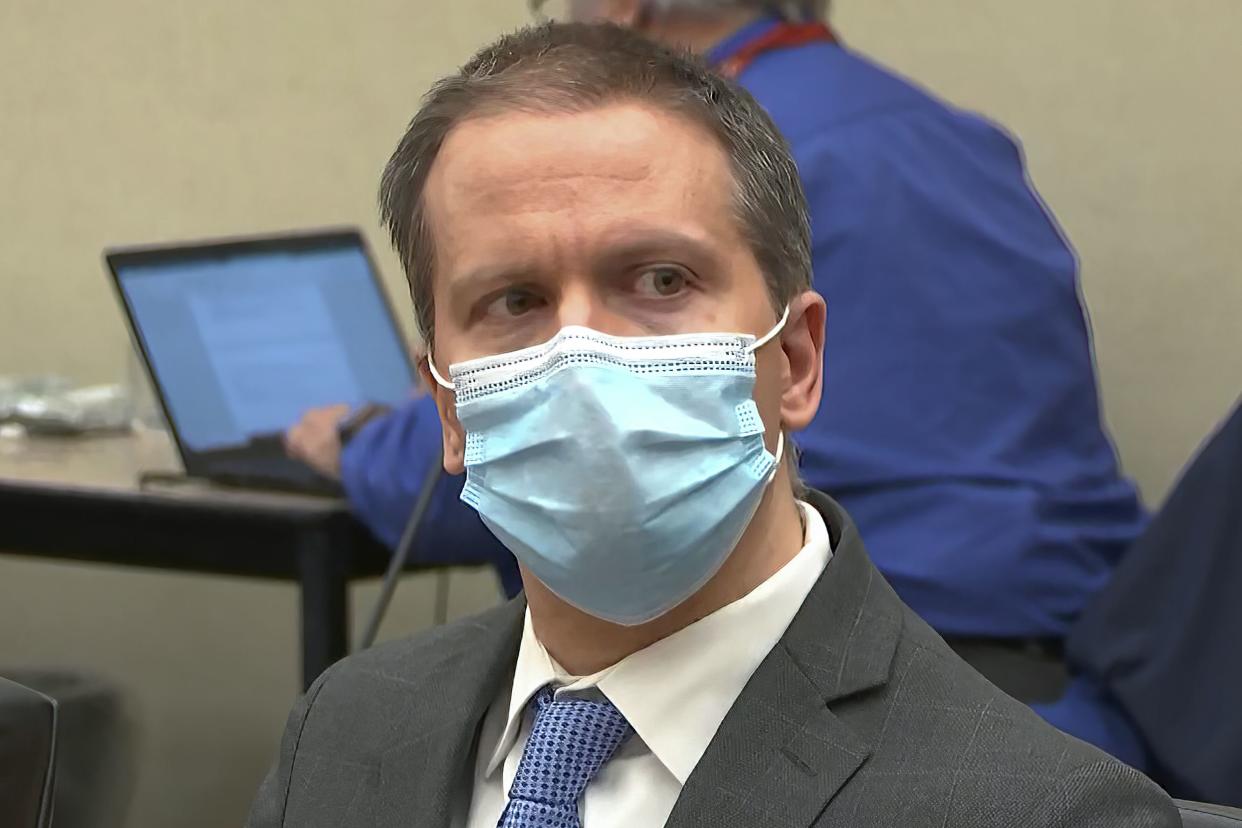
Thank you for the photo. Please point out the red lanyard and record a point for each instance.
(781, 36)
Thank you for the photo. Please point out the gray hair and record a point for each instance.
(789, 9)
(567, 68)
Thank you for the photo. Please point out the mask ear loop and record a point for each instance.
(759, 343)
(780, 454)
(431, 366)
(770, 335)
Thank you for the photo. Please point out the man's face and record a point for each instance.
(588, 11)
(619, 219)
(622, 12)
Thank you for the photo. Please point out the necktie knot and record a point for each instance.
(569, 742)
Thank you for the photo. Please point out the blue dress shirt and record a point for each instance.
(960, 424)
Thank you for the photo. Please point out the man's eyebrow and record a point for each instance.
(657, 243)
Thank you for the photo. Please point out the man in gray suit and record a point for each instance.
(700, 642)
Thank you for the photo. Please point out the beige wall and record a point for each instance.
(140, 120)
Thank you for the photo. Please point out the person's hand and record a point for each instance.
(316, 441)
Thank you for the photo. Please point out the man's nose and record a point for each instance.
(586, 307)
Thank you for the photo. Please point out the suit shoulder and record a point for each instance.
(434, 657)
(411, 703)
(1106, 792)
(957, 694)
(989, 757)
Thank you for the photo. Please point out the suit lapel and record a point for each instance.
(782, 754)
(426, 769)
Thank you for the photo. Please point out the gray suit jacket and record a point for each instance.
(860, 716)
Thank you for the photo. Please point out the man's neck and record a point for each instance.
(699, 32)
(584, 644)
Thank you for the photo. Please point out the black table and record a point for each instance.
(78, 499)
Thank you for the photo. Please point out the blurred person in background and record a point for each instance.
(961, 425)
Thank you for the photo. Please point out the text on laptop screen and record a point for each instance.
(242, 343)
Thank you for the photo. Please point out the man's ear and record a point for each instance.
(803, 344)
(453, 434)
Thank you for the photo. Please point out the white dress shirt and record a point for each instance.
(674, 693)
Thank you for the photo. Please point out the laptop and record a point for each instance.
(242, 336)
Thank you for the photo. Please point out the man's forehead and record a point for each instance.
(617, 146)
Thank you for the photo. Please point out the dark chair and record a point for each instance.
(1199, 815)
(27, 756)
(1162, 636)
(95, 757)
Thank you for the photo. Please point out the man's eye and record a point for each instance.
(515, 302)
(661, 281)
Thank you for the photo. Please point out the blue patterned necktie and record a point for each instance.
(569, 742)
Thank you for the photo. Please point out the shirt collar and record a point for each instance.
(734, 43)
(676, 712)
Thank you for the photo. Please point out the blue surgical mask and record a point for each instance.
(621, 471)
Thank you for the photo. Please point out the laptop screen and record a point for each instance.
(244, 338)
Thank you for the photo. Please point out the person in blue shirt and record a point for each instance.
(961, 416)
